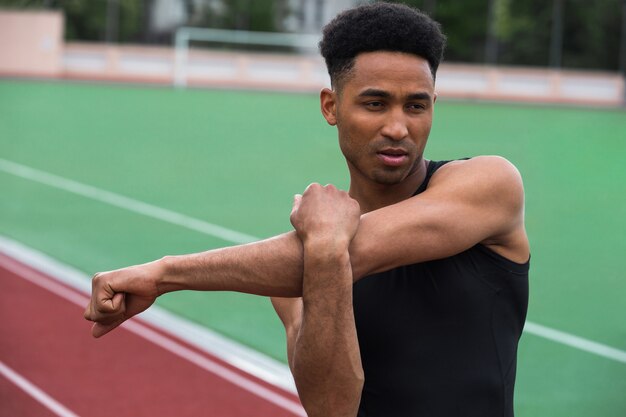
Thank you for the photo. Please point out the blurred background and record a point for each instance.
(522, 49)
(134, 129)
(572, 34)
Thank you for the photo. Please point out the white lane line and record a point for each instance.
(242, 357)
(236, 237)
(124, 202)
(216, 368)
(575, 342)
(168, 344)
(32, 390)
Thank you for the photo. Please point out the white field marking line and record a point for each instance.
(575, 342)
(236, 237)
(213, 343)
(160, 340)
(32, 390)
(123, 202)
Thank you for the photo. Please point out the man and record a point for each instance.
(437, 251)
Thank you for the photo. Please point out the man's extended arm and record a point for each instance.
(474, 201)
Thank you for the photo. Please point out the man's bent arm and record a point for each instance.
(326, 362)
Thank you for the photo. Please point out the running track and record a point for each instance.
(51, 366)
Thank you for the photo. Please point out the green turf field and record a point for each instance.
(236, 158)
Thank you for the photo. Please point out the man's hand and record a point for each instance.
(325, 214)
(118, 295)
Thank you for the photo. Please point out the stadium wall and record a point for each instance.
(31, 46)
(31, 43)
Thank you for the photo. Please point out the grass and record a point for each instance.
(237, 158)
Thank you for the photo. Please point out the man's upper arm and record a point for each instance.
(480, 200)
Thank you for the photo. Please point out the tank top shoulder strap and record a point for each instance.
(433, 166)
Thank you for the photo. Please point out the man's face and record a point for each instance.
(383, 112)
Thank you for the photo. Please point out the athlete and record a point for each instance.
(405, 296)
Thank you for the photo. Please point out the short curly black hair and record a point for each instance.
(379, 27)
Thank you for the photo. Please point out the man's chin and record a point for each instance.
(388, 178)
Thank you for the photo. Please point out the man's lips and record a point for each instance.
(393, 156)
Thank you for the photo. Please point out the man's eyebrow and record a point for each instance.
(373, 92)
(418, 96)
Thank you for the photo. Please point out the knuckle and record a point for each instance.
(106, 307)
(103, 308)
(96, 279)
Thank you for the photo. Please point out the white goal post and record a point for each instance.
(184, 35)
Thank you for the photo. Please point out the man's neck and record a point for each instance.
(372, 196)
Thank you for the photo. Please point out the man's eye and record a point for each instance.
(416, 107)
(374, 104)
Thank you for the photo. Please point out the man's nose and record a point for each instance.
(395, 126)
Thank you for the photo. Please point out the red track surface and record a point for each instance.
(44, 338)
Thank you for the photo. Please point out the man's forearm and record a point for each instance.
(326, 360)
(271, 267)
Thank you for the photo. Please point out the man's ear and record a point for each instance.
(328, 104)
(435, 98)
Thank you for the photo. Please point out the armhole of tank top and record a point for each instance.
(432, 167)
(505, 263)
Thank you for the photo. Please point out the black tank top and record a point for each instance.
(440, 338)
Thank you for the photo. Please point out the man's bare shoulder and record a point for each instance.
(481, 176)
(485, 165)
(494, 185)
